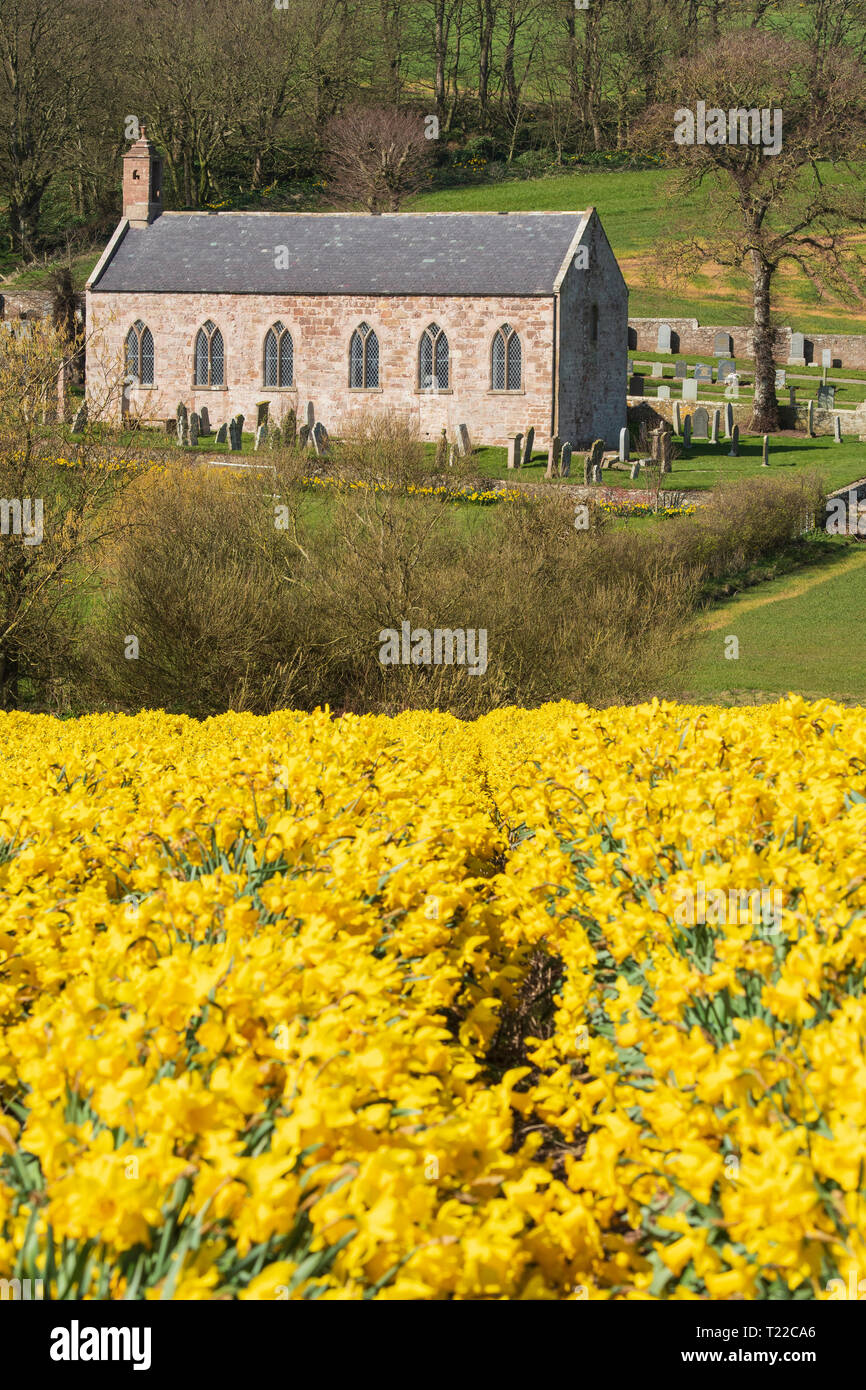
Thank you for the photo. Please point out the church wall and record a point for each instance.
(321, 327)
(592, 375)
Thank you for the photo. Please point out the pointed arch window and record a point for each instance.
(279, 363)
(433, 359)
(505, 360)
(209, 356)
(364, 359)
(139, 354)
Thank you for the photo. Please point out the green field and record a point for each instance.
(800, 633)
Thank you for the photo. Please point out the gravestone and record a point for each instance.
(261, 436)
(234, 435)
(452, 455)
(678, 426)
(701, 423)
(221, 434)
(658, 369)
(837, 429)
(565, 461)
(665, 440)
(681, 371)
(663, 393)
(717, 418)
(781, 378)
(515, 451)
(826, 397)
(262, 408)
(734, 450)
(464, 444)
(596, 477)
(303, 436)
(290, 430)
(204, 421)
(311, 416)
(321, 439)
(826, 357)
(722, 345)
(690, 390)
(194, 426)
(528, 446)
(687, 432)
(732, 387)
(275, 437)
(797, 357)
(588, 470)
(80, 420)
(595, 456)
(634, 471)
(623, 445)
(765, 452)
(725, 367)
(663, 340)
(171, 426)
(703, 373)
(182, 424)
(792, 397)
(554, 449)
(635, 386)
(729, 420)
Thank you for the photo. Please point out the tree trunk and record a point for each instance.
(441, 44)
(485, 42)
(765, 411)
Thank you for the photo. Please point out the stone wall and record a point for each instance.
(33, 303)
(848, 349)
(592, 372)
(321, 327)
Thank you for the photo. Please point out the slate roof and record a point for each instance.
(398, 253)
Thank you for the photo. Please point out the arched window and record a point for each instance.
(433, 359)
(209, 356)
(505, 360)
(364, 359)
(139, 354)
(279, 356)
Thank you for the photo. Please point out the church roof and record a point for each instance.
(453, 253)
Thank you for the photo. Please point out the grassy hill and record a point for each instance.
(638, 209)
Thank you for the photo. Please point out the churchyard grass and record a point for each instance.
(707, 464)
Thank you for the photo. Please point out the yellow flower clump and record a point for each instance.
(298, 1007)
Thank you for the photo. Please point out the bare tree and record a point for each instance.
(45, 46)
(774, 163)
(376, 156)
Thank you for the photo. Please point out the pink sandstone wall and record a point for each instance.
(321, 326)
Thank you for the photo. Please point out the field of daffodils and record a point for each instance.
(300, 1007)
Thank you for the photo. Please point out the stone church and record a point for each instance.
(496, 320)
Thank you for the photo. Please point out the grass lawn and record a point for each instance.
(707, 464)
(801, 633)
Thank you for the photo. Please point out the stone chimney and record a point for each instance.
(142, 183)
